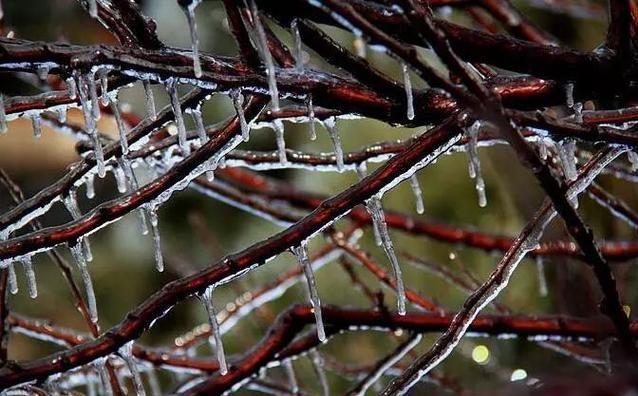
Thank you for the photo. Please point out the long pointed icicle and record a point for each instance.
(31, 282)
(317, 365)
(189, 11)
(126, 352)
(89, 119)
(171, 86)
(418, 193)
(302, 257)
(311, 117)
(376, 209)
(298, 50)
(149, 99)
(80, 260)
(331, 126)
(475, 163)
(292, 378)
(159, 259)
(409, 97)
(121, 126)
(266, 56)
(199, 125)
(207, 298)
(238, 103)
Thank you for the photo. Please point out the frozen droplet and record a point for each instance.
(238, 104)
(171, 87)
(121, 126)
(474, 163)
(159, 259)
(36, 122)
(3, 117)
(266, 56)
(311, 117)
(407, 83)
(189, 11)
(126, 352)
(418, 194)
(80, 260)
(93, 8)
(278, 125)
(199, 124)
(207, 298)
(304, 262)
(292, 378)
(298, 51)
(331, 125)
(317, 365)
(149, 100)
(31, 282)
(12, 279)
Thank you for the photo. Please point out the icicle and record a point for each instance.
(62, 114)
(407, 82)
(266, 56)
(31, 282)
(317, 364)
(126, 352)
(104, 87)
(311, 117)
(331, 126)
(578, 112)
(418, 194)
(238, 103)
(3, 116)
(93, 8)
(199, 124)
(121, 127)
(90, 122)
(130, 180)
(90, 186)
(302, 257)
(475, 164)
(13, 279)
(543, 149)
(298, 51)
(71, 88)
(207, 298)
(159, 259)
(376, 210)
(171, 87)
(43, 72)
(292, 379)
(542, 279)
(80, 260)
(1, 11)
(150, 100)
(361, 172)
(189, 11)
(156, 389)
(633, 160)
(120, 179)
(37, 125)
(566, 151)
(278, 125)
(95, 103)
(71, 204)
(569, 94)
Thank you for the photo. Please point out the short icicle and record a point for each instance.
(30, 273)
(89, 119)
(93, 8)
(331, 125)
(207, 298)
(104, 87)
(121, 126)
(278, 125)
(199, 125)
(3, 117)
(13, 279)
(301, 252)
(317, 365)
(159, 259)
(149, 99)
(71, 203)
(80, 260)
(542, 279)
(171, 86)
(90, 186)
(567, 154)
(36, 122)
(311, 117)
(126, 353)
(238, 103)
(418, 193)
(298, 50)
(189, 11)
(475, 163)
(266, 56)
(362, 171)
(292, 378)
(407, 83)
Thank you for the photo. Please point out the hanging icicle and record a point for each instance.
(298, 51)
(80, 260)
(89, 119)
(126, 352)
(189, 11)
(301, 252)
(149, 100)
(90, 186)
(362, 171)
(407, 83)
(474, 162)
(171, 87)
(37, 125)
(331, 125)
(567, 154)
(278, 125)
(317, 365)
(207, 298)
(121, 126)
(71, 88)
(311, 117)
(633, 160)
(292, 378)
(3, 117)
(93, 8)
(199, 125)
(266, 56)
(71, 203)
(12, 279)
(104, 87)
(159, 259)
(418, 194)
(238, 103)
(542, 279)
(31, 282)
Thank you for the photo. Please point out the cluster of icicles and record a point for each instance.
(83, 87)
